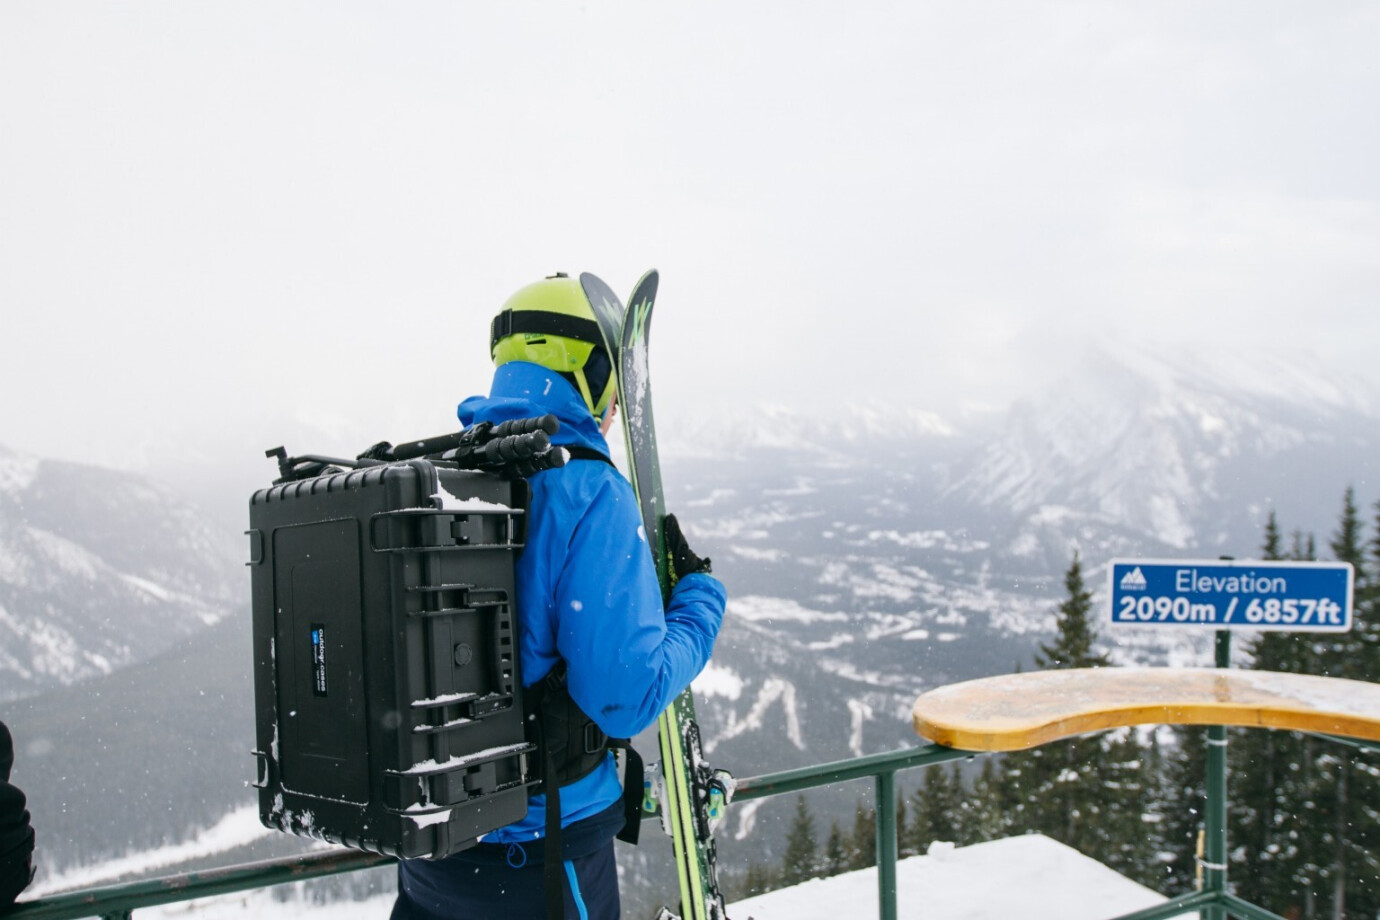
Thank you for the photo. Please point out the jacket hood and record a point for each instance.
(522, 390)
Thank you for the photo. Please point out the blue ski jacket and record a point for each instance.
(587, 592)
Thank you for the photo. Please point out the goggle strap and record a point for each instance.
(540, 322)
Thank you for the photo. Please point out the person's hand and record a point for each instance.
(683, 559)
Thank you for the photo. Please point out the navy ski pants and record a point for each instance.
(504, 883)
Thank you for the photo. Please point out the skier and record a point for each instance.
(16, 832)
(598, 650)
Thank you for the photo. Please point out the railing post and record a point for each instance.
(1215, 816)
(886, 844)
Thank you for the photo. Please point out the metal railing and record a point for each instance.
(117, 902)
(1213, 901)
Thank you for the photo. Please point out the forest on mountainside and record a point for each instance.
(1303, 811)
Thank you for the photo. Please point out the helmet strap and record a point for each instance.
(583, 386)
(539, 322)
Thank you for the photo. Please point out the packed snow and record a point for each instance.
(1039, 879)
(449, 502)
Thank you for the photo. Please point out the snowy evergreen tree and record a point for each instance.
(836, 855)
(1130, 787)
(863, 845)
(981, 816)
(1264, 772)
(1074, 637)
(1184, 797)
(1061, 784)
(759, 880)
(1305, 826)
(1348, 793)
(934, 809)
(801, 860)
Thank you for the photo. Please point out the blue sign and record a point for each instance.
(1294, 596)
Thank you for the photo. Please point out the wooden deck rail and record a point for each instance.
(1017, 711)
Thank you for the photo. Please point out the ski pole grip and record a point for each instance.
(426, 446)
(546, 460)
(516, 447)
(544, 423)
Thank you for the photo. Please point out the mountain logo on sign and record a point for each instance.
(1133, 580)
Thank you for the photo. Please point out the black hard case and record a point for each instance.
(386, 678)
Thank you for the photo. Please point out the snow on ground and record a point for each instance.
(252, 905)
(1031, 877)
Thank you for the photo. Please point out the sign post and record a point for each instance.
(1223, 595)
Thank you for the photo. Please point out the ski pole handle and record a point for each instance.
(478, 437)
(515, 447)
(546, 423)
(421, 448)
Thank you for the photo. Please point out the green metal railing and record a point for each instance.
(117, 902)
(1212, 901)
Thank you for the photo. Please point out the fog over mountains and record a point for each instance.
(869, 555)
(100, 569)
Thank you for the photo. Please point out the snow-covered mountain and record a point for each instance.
(866, 570)
(1178, 449)
(100, 569)
(869, 555)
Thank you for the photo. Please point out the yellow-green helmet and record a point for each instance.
(552, 324)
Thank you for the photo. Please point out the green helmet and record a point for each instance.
(552, 324)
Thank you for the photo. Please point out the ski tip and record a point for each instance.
(608, 310)
(646, 287)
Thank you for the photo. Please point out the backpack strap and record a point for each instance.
(562, 725)
(570, 746)
(577, 452)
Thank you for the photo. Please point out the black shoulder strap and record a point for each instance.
(586, 453)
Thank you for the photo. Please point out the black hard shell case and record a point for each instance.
(386, 679)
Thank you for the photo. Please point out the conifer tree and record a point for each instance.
(1265, 853)
(835, 852)
(901, 817)
(863, 845)
(980, 812)
(914, 833)
(759, 880)
(1129, 791)
(1305, 827)
(1060, 783)
(963, 809)
(801, 859)
(1363, 869)
(1185, 799)
(1348, 792)
(1074, 637)
(933, 811)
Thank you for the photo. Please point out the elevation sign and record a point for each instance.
(1296, 596)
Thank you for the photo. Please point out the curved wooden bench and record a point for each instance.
(1017, 711)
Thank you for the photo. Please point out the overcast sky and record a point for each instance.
(216, 217)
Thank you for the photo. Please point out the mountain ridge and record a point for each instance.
(99, 569)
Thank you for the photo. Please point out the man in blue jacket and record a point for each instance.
(594, 636)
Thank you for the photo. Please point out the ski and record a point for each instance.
(690, 795)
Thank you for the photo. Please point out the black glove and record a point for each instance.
(683, 559)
